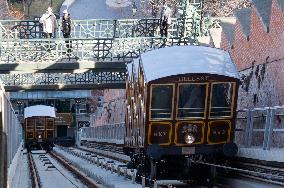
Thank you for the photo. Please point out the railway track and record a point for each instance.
(33, 172)
(105, 147)
(119, 167)
(259, 172)
(265, 173)
(85, 152)
(100, 168)
(106, 153)
(49, 170)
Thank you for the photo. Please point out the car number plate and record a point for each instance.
(188, 150)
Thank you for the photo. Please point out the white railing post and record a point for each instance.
(266, 128)
(249, 128)
(270, 130)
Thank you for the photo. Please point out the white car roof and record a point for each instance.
(39, 110)
(185, 60)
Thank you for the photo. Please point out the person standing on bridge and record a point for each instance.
(49, 23)
(165, 20)
(66, 29)
(66, 24)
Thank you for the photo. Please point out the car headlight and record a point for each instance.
(189, 138)
(39, 136)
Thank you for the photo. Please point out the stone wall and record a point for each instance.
(113, 110)
(261, 86)
(257, 46)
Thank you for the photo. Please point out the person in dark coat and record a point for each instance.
(165, 20)
(66, 28)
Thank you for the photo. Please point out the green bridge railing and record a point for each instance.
(98, 49)
(92, 41)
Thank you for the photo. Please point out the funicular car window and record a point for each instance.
(49, 124)
(191, 101)
(40, 124)
(221, 99)
(30, 124)
(161, 101)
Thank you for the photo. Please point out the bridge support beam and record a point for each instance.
(63, 76)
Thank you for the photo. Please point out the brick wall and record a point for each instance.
(259, 56)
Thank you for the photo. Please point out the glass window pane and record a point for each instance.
(49, 124)
(30, 124)
(39, 124)
(191, 100)
(221, 101)
(161, 103)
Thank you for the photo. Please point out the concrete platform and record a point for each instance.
(276, 155)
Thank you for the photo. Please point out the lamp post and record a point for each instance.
(77, 102)
(19, 105)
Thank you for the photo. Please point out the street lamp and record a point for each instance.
(134, 9)
(78, 102)
(19, 104)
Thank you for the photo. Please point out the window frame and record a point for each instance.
(193, 144)
(206, 99)
(150, 105)
(209, 132)
(164, 124)
(33, 131)
(232, 100)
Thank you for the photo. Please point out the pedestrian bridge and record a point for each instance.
(94, 57)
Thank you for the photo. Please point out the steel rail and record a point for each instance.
(263, 176)
(103, 154)
(33, 172)
(83, 177)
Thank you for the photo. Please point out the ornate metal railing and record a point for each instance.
(64, 81)
(187, 19)
(29, 29)
(209, 23)
(92, 40)
(62, 50)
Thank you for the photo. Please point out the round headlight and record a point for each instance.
(39, 136)
(189, 138)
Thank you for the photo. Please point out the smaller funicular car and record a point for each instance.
(39, 127)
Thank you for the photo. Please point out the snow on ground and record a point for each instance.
(112, 179)
(21, 178)
(54, 177)
(274, 154)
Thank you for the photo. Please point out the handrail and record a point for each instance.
(271, 123)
